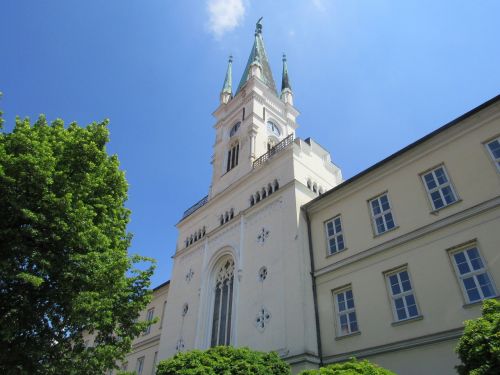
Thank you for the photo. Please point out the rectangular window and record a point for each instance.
(155, 359)
(439, 188)
(404, 304)
(474, 279)
(163, 313)
(347, 322)
(494, 150)
(334, 235)
(149, 317)
(382, 217)
(139, 365)
(232, 157)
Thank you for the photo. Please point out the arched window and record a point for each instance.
(221, 219)
(232, 156)
(252, 201)
(257, 197)
(226, 217)
(187, 242)
(204, 231)
(269, 189)
(223, 303)
(191, 240)
(315, 188)
(243, 116)
(276, 185)
(264, 193)
(231, 214)
(309, 184)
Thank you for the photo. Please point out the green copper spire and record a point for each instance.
(258, 54)
(228, 81)
(285, 81)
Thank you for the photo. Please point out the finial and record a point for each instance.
(284, 57)
(258, 26)
(230, 59)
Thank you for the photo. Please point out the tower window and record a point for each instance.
(232, 157)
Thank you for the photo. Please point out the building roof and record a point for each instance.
(285, 81)
(411, 146)
(258, 54)
(161, 285)
(228, 81)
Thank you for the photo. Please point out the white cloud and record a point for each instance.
(319, 5)
(224, 15)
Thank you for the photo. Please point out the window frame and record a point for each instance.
(494, 160)
(139, 365)
(346, 312)
(382, 214)
(335, 235)
(439, 187)
(393, 297)
(149, 318)
(460, 277)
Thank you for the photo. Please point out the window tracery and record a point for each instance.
(223, 300)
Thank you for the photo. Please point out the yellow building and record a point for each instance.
(406, 250)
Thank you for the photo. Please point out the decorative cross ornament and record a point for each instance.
(262, 318)
(262, 236)
(189, 275)
(180, 345)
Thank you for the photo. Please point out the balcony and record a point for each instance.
(273, 151)
(194, 207)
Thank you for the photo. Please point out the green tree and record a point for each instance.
(351, 367)
(64, 268)
(479, 346)
(224, 360)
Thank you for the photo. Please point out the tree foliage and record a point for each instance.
(351, 367)
(64, 268)
(224, 360)
(479, 347)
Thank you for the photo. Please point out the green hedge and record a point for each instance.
(224, 360)
(351, 367)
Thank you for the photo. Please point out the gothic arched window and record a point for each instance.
(223, 303)
(252, 201)
(276, 185)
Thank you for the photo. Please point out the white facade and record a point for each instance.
(252, 218)
(245, 253)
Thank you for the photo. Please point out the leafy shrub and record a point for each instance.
(351, 367)
(479, 347)
(224, 360)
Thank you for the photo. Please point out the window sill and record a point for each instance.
(409, 320)
(435, 212)
(480, 302)
(387, 231)
(357, 333)
(328, 255)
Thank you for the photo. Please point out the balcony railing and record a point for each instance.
(194, 207)
(273, 151)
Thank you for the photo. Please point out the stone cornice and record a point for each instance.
(434, 338)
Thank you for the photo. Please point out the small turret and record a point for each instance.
(227, 91)
(286, 88)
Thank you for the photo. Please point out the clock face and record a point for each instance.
(273, 128)
(234, 129)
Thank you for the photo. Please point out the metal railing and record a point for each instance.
(194, 207)
(273, 151)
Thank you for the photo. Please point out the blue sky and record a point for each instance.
(369, 77)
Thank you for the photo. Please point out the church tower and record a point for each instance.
(241, 273)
